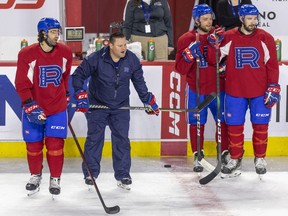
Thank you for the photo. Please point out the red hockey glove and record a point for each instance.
(272, 95)
(35, 114)
(219, 32)
(151, 106)
(192, 51)
(82, 103)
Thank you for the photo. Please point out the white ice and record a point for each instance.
(155, 191)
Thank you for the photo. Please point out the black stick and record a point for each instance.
(201, 106)
(198, 125)
(108, 210)
(217, 169)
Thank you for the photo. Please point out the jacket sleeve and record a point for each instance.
(128, 22)
(138, 80)
(168, 23)
(83, 72)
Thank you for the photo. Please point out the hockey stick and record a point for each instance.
(201, 106)
(198, 124)
(108, 210)
(200, 158)
(217, 169)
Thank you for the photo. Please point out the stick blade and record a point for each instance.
(112, 210)
(207, 101)
(205, 180)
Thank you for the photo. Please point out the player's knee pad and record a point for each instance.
(54, 146)
(34, 148)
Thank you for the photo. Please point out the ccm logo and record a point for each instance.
(9, 4)
(174, 97)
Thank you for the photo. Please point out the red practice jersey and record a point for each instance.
(207, 72)
(44, 77)
(251, 63)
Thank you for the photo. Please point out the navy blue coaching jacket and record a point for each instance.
(108, 85)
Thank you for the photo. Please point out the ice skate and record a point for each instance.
(260, 166)
(125, 183)
(33, 186)
(198, 168)
(232, 169)
(225, 157)
(89, 182)
(54, 187)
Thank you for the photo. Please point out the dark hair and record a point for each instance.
(115, 35)
(41, 36)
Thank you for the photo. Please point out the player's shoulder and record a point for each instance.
(232, 31)
(29, 50)
(264, 35)
(64, 48)
(188, 36)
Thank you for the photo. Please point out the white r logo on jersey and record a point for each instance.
(50, 74)
(246, 56)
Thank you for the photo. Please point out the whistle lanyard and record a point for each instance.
(232, 7)
(146, 13)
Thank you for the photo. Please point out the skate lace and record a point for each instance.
(197, 164)
(232, 163)
(34, 179)
(260, 163)
(225, 157)
(55, 183)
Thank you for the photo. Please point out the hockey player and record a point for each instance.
(189, 49)
(251, 82)
(110, 71)
(43, 70)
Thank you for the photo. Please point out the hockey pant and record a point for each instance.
(118, 122)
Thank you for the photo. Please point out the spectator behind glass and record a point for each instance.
(227, 13)
(145, 19)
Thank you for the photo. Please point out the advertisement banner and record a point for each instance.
(169, 127)
(273, 16)
(173, 124)
(20, 17)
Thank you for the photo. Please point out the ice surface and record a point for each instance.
(155, 191)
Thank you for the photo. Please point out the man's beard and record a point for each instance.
(204, 29)
(250, 30)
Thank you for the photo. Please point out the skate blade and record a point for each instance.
(31, 193)
(261, 177)
(126, 187)
(53, 196)
(199, 175)
(89, 187)
(231, 175)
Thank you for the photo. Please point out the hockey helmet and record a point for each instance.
(248, 9)
(200, 10)
(48, 23)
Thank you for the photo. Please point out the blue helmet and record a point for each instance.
(200, 10)
(248, 9)
(48, 23)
